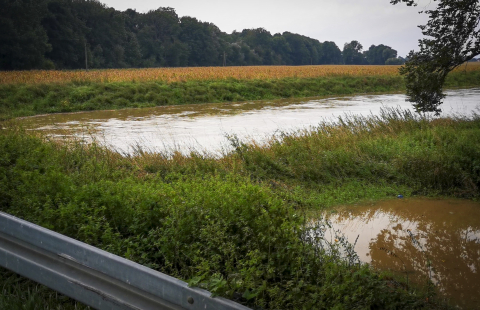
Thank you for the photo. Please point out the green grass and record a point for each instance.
(237, 225)
(17, 293)
(28, 99)
(371, 158)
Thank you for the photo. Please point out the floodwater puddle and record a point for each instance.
(420, 239)
(204, 127)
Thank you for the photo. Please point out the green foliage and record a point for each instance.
(237, 226)
(452, 38)
(17, 293)
(23, 40)
(379, 54)
(395, 152)
(24, 100)
(395, 61)
(424, 81)
(66, 34)
(352, 53)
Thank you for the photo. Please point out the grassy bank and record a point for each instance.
(236, 225)
(32, 98)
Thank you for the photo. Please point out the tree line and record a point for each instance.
(74, 34)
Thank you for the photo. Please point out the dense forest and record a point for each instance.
(74, 34)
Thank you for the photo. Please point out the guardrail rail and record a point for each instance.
(92, 276)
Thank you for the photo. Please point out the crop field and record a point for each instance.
(191, 73)
(200, 73)
(27, 93)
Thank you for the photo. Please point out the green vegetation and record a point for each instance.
(17, 293)
(236, 225)
(451, 38)
(66, 34)
(27, 100)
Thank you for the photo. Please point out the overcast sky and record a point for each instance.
(367, 21)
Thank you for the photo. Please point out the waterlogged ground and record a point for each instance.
(421, 239)
(203, 127)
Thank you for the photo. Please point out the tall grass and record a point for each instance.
(236, 225)
(17, 293)
(360, 158)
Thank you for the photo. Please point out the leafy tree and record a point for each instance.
(257, 37)
(158, 31)
(330, 53)
(299, 54)
(23, 40)
(378, 54)
(250, 58)
(133, 53)
(96, 57)
(202, 40)
(176, 55)
(315, 49)
(453, 37)
(282, 49)
(260, 41)
(66, 34)
(105, 30)
(352, 53)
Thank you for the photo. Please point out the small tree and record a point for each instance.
(454, 38)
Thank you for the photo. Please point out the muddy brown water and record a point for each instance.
(203, 127)
(420, 239)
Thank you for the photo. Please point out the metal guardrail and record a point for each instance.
(92, 276)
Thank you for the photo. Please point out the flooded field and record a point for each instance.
(420, 239)
(203, 127)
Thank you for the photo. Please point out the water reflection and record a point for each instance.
(203, 126)
(421, 239)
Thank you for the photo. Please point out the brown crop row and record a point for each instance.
(197, 73)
